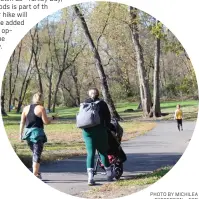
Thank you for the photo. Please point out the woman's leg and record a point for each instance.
(35, 167)
(103, 146)
(104, 158)
(37, 149)
(101, 141)
(181, 124)
(178, 124)
(90, 148)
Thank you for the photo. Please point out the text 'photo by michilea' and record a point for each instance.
(99, 99)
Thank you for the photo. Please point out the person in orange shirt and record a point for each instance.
(178, 117)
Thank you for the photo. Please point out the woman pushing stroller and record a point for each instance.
(96, 138)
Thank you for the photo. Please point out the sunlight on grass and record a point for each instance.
(127, 186)
(65, 140)
(70, 113)
(144, 179)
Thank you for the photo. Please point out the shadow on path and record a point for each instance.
(136, 163)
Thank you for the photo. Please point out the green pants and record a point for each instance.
(96, 138)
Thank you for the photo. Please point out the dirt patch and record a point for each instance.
(125, 187)
(111, 194)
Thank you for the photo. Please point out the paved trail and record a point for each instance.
(162, 146)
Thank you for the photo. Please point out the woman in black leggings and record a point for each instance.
(33, 119)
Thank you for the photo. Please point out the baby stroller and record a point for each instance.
(116, 154)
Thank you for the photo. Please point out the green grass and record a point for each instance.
(65, 139)
(189, 108)
(169, 106)
(67, 112)
(126, 187)
(144, 179)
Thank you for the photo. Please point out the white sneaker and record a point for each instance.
(91, 182)
(90, 177)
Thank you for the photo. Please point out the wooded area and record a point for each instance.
(127, 53)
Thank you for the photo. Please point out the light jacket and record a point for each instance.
(34, 135)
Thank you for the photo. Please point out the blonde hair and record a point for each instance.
(38, 98)
(178, 106)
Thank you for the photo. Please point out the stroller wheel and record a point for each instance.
(118, 171)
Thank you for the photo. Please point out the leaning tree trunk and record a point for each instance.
(143, 80)
(156, 81)
(100, 70)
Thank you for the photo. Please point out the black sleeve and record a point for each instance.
(106, 114)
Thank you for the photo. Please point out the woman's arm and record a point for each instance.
(44, 117)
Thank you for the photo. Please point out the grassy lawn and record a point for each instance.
(189, 107)
(125, 187)
(65, 140)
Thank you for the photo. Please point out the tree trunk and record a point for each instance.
(39, 78)
(74, 75)
(156, 81)
(56, 90)
(12, 58)
(49, 95)
(10, 83)
(78, 100)
(49, 76)
(22, 95)
(19, 106)
(100, 70)
(139, 106)
(25, 84)
(3, 112)
(35, 50)
(143, 80)
(71, 95)
(12, 89)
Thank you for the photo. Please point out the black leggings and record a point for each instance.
(179, 123)
(36, 149)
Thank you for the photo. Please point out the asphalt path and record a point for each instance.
(162, 146)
